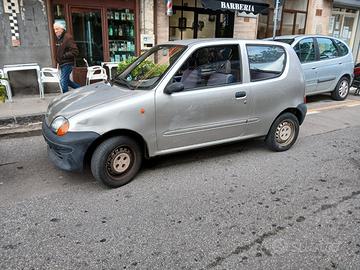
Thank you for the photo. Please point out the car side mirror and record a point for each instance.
(173, 88)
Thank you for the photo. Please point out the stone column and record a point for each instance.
(319, 13)
(162, 23)
(245, 27)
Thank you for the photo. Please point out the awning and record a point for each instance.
(236, 5)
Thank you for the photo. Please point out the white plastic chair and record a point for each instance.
(95, 73)
(7, 86)
(50, 75)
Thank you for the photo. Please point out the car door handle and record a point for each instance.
(240, 94)
(313, 68)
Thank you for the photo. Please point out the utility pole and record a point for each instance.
(276, 15)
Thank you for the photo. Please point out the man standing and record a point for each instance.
(66, 50)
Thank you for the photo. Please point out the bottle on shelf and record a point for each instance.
(126, 30)
(111, 32)
(120, 31)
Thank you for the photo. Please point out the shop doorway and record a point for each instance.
(104, 32)
(87, 32)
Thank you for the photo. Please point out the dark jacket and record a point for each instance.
(66, 49)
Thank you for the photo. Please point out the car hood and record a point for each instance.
(84, 98)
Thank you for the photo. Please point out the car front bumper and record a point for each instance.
(67, 152)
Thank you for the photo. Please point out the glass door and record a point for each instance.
(87, 33)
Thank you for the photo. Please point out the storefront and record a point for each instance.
(104, 32)
(209, 18)
(292, 19)
(344, 24)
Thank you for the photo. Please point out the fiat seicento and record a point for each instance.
(178, 96)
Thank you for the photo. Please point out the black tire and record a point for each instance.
(283, 132)
(116, 161)
(341, 90)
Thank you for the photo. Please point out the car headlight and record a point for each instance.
(60, 126)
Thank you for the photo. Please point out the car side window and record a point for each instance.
(210, 66)
(342, 48)
(327, 48)
(265, 61)
(305, 50)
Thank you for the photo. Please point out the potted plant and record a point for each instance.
(147, 66)
(3, 95)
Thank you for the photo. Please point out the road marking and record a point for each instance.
(349, 104)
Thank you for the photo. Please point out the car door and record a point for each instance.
(269, 90)
(306, 51)
(212, 106)
(329, 65)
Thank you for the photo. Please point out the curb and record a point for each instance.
(21, 126)
(22, 119)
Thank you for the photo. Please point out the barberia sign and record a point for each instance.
(237, 6)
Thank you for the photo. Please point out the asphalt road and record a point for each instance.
(238, 206)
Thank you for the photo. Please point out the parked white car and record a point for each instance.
(327, 63)
(179, 96)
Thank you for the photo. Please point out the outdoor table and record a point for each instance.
(21, 67)
(110, 66)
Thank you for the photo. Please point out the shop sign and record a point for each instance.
(234, 5)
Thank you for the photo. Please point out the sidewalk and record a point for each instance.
(24, 114)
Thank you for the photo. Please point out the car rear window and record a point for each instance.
(265, 61)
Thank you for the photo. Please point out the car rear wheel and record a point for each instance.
(283, 132)
(341, 90)
(116, 161)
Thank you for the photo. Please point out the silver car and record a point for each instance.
(327, 63)
(178, 96)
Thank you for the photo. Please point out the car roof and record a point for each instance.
(215, 41)
(297, 37)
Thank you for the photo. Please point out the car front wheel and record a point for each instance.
(116, 161)
(283, 132)
(341, 90)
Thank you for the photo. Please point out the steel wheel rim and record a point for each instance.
(344, 88)
(285, 132)
(119, 161)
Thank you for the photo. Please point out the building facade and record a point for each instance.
(113, 30)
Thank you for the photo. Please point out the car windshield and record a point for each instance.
(145, 71)
(285, 40)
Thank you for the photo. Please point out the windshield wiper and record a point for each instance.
(122, 81)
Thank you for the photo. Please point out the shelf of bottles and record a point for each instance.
(121, 34)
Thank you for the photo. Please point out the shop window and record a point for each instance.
(327, 49)
(121, 33)
(265, 61)
(305, 50)
(296, 5)
(210, 66)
